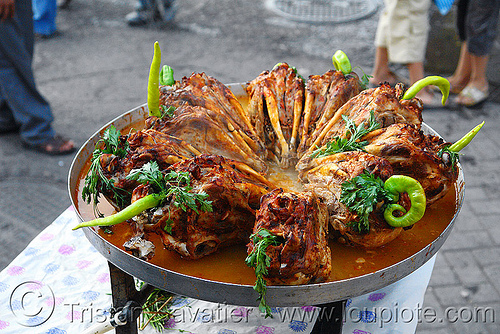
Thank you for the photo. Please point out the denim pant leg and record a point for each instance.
(168, 7)
(28, 108)
(145, 4)
(7, 121)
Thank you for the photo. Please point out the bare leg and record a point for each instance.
(416, 72)
(477, 89)
(478, 77)
(381, 72)
(462, 74)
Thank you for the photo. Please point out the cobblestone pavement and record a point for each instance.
(97, 69)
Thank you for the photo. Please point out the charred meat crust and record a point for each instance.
(302, 221)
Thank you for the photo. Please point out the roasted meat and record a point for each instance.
(325, 178)
(144, 146)
(301, 220)
(383, 101)
(234, 196)
(209, 132)
(275, 107)
(411, 152)
(324, 95)
(205, 91)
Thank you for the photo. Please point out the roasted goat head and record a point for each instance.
(234, 194)
(325, 179)
(301, 221)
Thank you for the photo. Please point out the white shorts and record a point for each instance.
(402, 29)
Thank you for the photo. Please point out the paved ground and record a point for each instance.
(98, 68)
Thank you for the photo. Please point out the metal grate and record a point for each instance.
(324, 11)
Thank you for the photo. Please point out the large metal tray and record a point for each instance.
(238, 294)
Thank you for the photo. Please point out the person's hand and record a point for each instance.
(7, 8)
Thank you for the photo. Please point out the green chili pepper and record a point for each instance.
(465, 140)
(398, 184)
(153, 83)
(167, 76)
(341, 62)
(144, 203)
(440, 82)
(277, 65)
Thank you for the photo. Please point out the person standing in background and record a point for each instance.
(22, 108)
(152, 10)
(477, 22)
(44, 18)
(401, 37)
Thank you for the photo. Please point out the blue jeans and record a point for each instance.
(21, 104)
(168, 5)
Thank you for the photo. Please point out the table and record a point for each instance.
(61, 284)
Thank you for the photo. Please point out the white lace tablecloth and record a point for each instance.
(60, 284)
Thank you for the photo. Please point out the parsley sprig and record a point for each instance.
(352, 143)
(453, 157)
(361, 194)
(259, 260)
(365, 79)
(174, 186)
(96, 182)
(156, 311)
(167, 111)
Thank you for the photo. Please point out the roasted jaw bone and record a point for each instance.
(208, 132)
(324, 95)
(275, 108)
(325, 178)
(412, 153)
(205, 91)
(235, 196)
(302, 221)
(386, 106)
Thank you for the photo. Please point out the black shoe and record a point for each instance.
(55, 34)
(7, 129)
(63, 4)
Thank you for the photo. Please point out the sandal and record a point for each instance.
(471, 96)
(9, 129)
(55, 146)
(454, 90)
(433, 102)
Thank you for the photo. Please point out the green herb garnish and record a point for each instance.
(167, 111)
(361, 194)
(259, 260)
(365, 79)
(453, 157)
(96, 182)
(174, 185)
(352, 143)
(453, 150)
(156, 310)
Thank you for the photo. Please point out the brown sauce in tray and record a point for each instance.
(228, 265)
